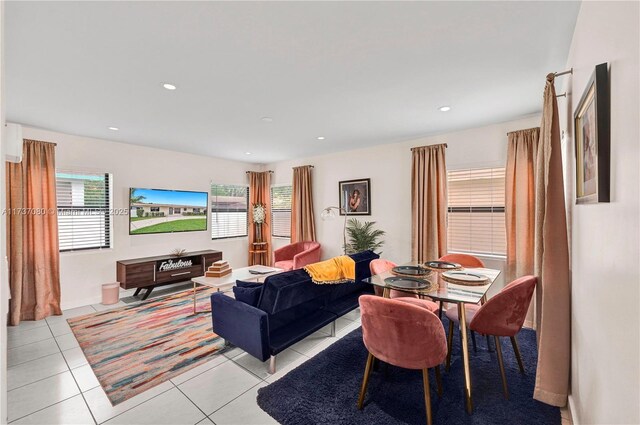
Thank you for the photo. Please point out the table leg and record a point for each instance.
(386, 292)
(465, 357)
(194, 298)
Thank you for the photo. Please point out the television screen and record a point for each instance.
(166, 211)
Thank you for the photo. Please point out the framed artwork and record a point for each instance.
(592, 137)
(355, 197)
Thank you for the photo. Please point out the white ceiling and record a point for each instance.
(356, 73)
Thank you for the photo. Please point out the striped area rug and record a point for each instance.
(134, 348)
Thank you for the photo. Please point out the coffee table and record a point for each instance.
(227, 282)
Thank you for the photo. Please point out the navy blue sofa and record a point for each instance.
(290, 308)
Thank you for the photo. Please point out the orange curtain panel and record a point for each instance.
(522, 150)
(260, 193)
(303, 226)
(551, 264)
(32, 234)
(429, 203)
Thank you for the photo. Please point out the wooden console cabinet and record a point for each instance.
(149, 272)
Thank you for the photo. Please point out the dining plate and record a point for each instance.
(406, 282)
(410, 270)
(442, 265)
(465, 277)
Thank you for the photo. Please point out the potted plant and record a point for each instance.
(363, 236)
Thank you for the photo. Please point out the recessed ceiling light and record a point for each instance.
(113, 128)
(321, 138)
(169, 86)
(247, 153)
(444, 108)
(267, 119)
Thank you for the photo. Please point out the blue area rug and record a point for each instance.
(324, 390)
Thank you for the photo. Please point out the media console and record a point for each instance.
(149, 272)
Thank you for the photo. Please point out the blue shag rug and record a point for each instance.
(324, 390)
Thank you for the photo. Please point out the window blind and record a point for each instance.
(281, 211)
(84, 217)
(229, 217)
(476, 219)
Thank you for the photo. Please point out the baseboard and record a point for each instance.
(572, 411)
(80, 303)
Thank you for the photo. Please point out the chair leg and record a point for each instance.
(438, 380)
(516, 350)
(473, 339)
(501, 363)
(427, 394)
(449, 345)
(365, 380)
(489, 344)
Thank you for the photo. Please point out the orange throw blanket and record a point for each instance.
(335, 270)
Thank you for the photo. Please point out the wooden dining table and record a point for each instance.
(441, 290)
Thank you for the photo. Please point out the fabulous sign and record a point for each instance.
(169, 265)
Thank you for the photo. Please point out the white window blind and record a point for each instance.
(476, 220)
(84, 217)
(281, 211)
(229, 211)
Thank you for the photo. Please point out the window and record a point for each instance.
(229, 217)
(281, 211)
(476, 220)
(84, 219)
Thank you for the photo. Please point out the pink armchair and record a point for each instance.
(296, 255)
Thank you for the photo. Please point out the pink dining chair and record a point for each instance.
(502, 315)
(379, 266)
(466, 261)
(403, 334)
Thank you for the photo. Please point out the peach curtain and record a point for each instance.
(260, 193)
(551, 264)
(429, 203)
(32, 234)
(522, 149)
(303, 226)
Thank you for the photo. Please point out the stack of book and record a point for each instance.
(218, 269)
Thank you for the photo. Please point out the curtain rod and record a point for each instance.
(300, 166)
(569, 71)
(428, 146)
(269, 171)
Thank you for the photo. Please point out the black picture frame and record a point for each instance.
(346, 189)
(592, 130)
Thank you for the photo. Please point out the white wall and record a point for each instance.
(605, 376)
(389, 168)
(82, 272)
(4, 281)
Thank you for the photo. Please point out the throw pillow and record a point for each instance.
(248, 292)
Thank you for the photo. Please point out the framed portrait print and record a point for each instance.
(592, 138)
(355, 197)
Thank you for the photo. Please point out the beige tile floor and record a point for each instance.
(50, 381)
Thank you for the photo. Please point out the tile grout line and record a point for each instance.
(36, 358)
(73, 376)
(192, 402)
(234, 399)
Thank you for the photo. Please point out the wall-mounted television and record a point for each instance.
(166, 211)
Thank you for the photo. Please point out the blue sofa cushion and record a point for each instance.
(285, 290)
(247, 292)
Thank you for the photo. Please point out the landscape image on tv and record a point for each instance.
(166, 211)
